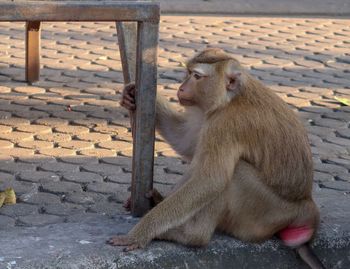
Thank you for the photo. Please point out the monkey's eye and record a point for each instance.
(197, 76)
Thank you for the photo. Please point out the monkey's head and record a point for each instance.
(213, 79)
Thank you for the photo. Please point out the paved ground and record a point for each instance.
(70, 166)
(254, 7)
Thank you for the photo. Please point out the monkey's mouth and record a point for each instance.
(186, 102)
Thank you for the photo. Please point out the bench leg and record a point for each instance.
(32, 51)
(146, 86)
(127, 40)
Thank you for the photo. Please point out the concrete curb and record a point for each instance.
(82, 245)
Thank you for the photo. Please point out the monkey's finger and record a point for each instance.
(129, 98)
(131, 247)
(122, 103)
(132, 83)
(129, 106)
(126, 104)
(129, 86)
(118, 241)
(130, 90)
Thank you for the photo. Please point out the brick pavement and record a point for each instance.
(65, 163)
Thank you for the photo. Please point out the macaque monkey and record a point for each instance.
(251, 170)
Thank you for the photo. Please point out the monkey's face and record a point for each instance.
(213, 79)
(198, 85)
(208, 85)
(188, 91)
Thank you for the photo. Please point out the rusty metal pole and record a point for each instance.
(127, 40)
(33, 51)
(144, 136)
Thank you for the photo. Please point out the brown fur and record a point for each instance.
(251, 168)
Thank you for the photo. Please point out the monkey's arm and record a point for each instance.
(170, 124)
(208, 175)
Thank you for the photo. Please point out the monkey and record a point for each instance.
(250, 169)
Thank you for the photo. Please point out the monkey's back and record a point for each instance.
(274, 140)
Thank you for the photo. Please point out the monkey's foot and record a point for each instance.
(123, 240)
(155, 196)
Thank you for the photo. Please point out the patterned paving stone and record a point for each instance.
(5, 144)
(35, 144)
(66, 142)
(39, 198)
(79, 159)
(6, 222)
(37, 129)
(76, 145)
(98, 152)
(19, 187)
(106, 208)
(84, 198)
(18, 167)
(38, 220)
(19, 209)
(62, 209)
(61, 187)
(94, 137)
(16, 136)
(59, 167)
(106, 188)
(57, 152)
(82, 177)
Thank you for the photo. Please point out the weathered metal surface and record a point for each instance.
(33, 51)
(127, 39)
(146, 85)
(79, 11)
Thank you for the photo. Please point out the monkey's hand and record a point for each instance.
(128, 97)
(124, 240)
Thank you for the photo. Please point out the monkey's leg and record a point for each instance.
(198, 230)
(267, 214)
(254, 212)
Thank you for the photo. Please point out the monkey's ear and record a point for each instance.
(233, 81)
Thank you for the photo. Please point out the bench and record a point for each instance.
(139, 62)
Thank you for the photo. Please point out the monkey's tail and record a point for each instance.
(308, 256)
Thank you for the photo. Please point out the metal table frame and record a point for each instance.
(129, 16)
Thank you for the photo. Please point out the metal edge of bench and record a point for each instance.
(74, 11)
